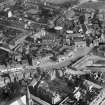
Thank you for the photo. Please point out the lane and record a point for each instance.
(47, 64)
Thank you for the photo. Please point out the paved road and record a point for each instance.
(48, 64)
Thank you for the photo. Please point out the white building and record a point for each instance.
(20, 101)
(80, 44)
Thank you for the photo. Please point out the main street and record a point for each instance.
(48, 64)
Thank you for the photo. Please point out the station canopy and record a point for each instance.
(58, 2)
(93, 5)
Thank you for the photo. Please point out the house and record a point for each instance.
(80, 44)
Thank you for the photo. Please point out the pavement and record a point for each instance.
(46, 63)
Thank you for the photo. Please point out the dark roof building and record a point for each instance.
(53, 92)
